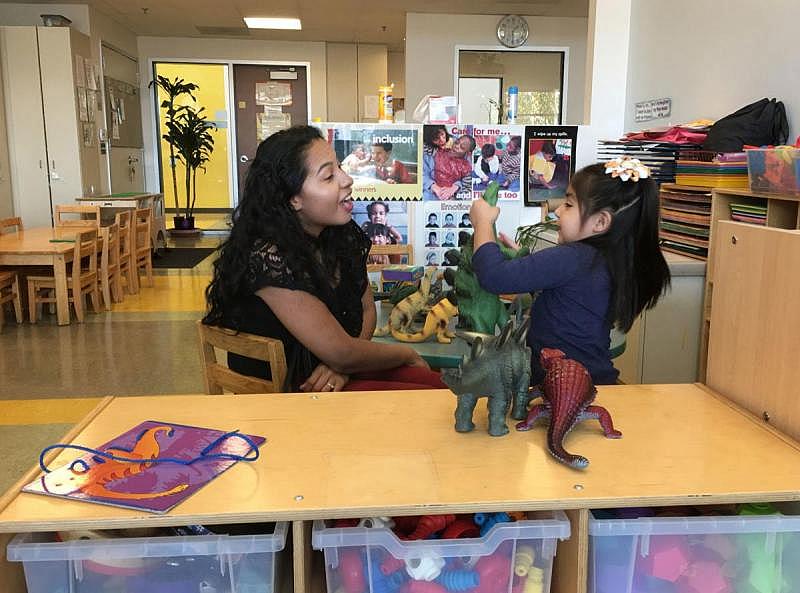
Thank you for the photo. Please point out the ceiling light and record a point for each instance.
(272, 23)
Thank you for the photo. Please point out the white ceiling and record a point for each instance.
(363, 21)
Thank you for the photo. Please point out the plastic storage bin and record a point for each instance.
(774, 170)
(511, 556)
(181, 564)
(737, 554)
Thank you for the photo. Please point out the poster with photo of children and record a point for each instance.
(549, 161)
(447, 162)
(498, 157)
(447, 226)
(385, 222)
(384, 161)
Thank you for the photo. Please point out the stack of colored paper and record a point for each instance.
(750, 213)
(685, 221)
(701, 169)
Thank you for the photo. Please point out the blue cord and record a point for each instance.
(204, 454)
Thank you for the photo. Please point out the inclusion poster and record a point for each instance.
(549, 162)
(383, 160)
(143, 485)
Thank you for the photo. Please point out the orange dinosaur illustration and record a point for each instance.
(93, 479)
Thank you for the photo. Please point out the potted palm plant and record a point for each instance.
(190, 136)
(173, 90)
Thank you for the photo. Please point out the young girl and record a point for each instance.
(294, 268)
(605, 270)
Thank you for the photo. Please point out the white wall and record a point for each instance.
(18, 14)
(430, 51)
(712, 58)
(236, 50)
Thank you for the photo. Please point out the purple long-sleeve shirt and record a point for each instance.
(570, 313)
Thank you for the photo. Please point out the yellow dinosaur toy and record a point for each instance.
(435, 323)
(404, 312)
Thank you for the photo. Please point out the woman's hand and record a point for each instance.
(416, 360)
(323, 378)
(482, 214)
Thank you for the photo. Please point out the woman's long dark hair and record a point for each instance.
(265, 216)
(639, 272)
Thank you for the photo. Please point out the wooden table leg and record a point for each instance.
(62, 298)
(571, 563)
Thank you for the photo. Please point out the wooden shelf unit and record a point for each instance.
(698, 197)
(783, 212)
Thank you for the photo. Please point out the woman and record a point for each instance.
(294, 268)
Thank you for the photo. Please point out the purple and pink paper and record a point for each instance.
(144, 485)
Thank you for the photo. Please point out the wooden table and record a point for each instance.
(42, 246)
(130, 201)
(353, 454)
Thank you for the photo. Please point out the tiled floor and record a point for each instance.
(50, 375)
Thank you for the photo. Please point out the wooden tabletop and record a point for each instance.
(392, 453)
(38, 240)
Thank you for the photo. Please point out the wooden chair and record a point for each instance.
(219, 378)
(142, 252)
(127, 239)
(81, 279)
(10, 225)
(392, 253)
(87, 216)
(9, 293)
(109, 274)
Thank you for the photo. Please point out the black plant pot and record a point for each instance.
(183, 223)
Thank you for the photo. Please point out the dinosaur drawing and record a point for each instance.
(95, 479)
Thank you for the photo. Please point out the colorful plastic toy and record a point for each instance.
(523, 560)
(429, 525)
(426, 568)
(461, 528)
(494, 572)
(668, 558)
(351, 572)
(535, 581)
(376, 522)
(422, 587)
(488, 520)
(706, 577)
(567, 394)
(499, 370)
(458, 580)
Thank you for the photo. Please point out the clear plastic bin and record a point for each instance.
(774, 170)
(180, 564)
(511, 556)
(718, 554)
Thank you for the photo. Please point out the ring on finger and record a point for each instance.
(331, 385)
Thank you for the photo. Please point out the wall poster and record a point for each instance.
(383, 160)
(549, 161)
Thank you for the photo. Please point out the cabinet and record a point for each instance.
(51, 161)
(782, 212)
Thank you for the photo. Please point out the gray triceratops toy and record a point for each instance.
(500, 369)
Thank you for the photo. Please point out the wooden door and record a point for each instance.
(6, 199)
(263, 97)
(61, 119)
(25, 123)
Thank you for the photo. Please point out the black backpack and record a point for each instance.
(757, 124)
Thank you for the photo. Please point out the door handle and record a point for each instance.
(244, 158)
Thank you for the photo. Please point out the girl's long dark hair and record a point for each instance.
(639, 272)
(265, 216)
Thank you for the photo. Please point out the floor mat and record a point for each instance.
(181, 257)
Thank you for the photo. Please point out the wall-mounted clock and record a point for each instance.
(512, 30)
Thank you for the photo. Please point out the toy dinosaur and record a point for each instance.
(567, 394)
(404, 312)
(479, 310)
(435, 323)
(499, 369)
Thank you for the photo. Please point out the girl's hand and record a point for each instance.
(323, 378)
(482, 214)
(508, 241)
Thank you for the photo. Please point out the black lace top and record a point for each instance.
(345, 269)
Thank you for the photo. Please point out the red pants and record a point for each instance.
(396, 379)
